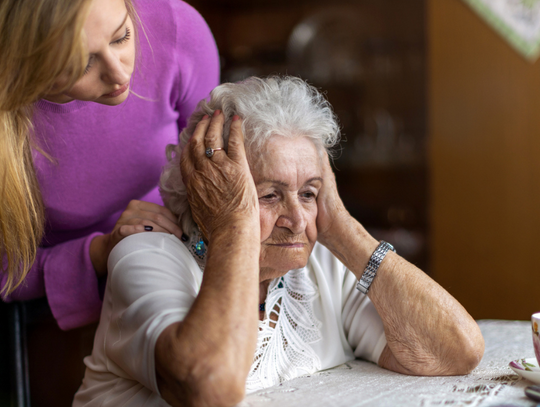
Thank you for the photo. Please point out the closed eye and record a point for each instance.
(269, 197)
(125, 38)
(308, 195)
(122, 40)
(89, 65)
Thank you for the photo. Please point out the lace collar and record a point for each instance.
(283, 350)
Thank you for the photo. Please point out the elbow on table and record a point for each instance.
(456, 356)
(463, 352)
(189, 375)
(210, 391)
(204, 385)
(470, 354)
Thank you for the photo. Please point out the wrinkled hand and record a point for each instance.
(137, 216)
(331, 212)
(220, 189)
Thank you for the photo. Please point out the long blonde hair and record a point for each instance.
(41, 41)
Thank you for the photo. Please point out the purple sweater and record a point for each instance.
(106, 156)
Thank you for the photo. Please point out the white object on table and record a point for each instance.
(526, 368)
(359, 383)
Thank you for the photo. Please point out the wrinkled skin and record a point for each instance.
(219, 189)
(222, 195)
(294, 185)
(332, 214)
(288, 176)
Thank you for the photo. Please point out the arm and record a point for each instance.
(427, 330)
(68, 273)
(205, 359)
(64, 273)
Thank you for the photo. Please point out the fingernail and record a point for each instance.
(205, 117)
(148, 228)
(217, 112)
(235, 118)
(185, 237)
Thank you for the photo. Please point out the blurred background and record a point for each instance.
(441, 139)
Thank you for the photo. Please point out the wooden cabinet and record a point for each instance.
(484, 132)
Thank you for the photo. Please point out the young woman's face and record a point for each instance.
(111, 59)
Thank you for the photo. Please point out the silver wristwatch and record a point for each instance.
(373, 265)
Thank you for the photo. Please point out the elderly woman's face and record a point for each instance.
(288, 177)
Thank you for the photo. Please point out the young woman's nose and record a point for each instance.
(292, 218)
(114, 72)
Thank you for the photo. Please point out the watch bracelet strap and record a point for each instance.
(374, 262)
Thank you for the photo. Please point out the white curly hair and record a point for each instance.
(285, 106)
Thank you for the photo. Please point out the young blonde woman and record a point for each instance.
(86, 110)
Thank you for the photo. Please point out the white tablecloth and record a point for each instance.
(360, 383)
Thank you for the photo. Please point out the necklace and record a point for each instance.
(262, 307)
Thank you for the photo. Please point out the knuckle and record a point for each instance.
(194, 143)
(201, 125)
(126, 215)
(216, 125)
(124, 231)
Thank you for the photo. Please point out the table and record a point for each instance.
(360, 383)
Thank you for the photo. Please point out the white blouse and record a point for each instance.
(153, 280)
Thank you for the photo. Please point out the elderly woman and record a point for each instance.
(274, 278)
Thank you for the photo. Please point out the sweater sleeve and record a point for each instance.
(197, 59)
(64, 273)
